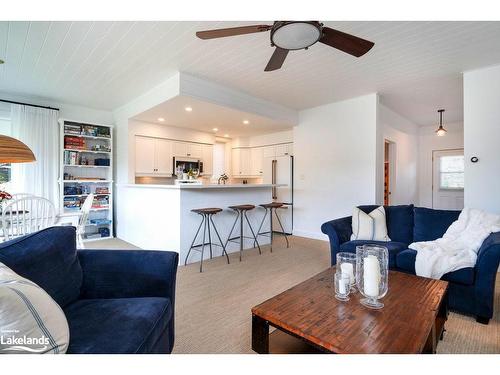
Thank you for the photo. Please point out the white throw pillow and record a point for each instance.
(371, 226)
(30, 320)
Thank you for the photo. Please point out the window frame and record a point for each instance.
(440, 173)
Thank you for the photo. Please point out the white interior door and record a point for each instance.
(448, 180)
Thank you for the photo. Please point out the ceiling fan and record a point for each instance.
(294, 35)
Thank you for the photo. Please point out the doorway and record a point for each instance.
(448, 179)
(389, 173)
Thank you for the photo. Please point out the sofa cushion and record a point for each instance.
(431, 224)
(392, 246)
(26, 310)
(405, 261)
(118, 325)
(399, 221)
(369, 226)
(48, 258)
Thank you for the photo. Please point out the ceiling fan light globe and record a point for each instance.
(296, 35)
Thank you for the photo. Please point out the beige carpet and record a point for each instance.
(213, 308)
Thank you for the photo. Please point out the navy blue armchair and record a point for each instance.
(471, 290)
(115, 301)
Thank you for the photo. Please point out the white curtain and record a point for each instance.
(38, 129)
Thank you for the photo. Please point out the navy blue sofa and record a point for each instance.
(471, 290)
(115, 301)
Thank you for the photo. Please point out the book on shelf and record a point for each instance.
(74, 143)
(71, 158)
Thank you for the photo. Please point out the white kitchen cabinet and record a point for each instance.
(242, 163)
(207, 159)
(187, 149)
(284, 149)
(269, 151)
(194, 150)
(164, 157)
(257, 161)
(246, 162)
(144, 155)
(235, 161)
(179, 149)
(153, 156)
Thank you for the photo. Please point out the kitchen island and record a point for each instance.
(159, 217)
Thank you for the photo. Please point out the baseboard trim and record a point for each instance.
(313, 235)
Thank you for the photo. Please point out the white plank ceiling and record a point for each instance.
(415, 66)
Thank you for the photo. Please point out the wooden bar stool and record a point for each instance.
(269, 207)
(207, 214)
(241, 210)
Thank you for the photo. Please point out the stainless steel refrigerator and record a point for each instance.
(279, 170)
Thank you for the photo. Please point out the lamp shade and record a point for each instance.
(14, 151)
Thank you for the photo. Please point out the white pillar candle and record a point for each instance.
(347, 269)
(371, 275)
(342, 286)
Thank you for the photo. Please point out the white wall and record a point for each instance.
(264, 139)
(335, 162)
(403, 178)
(428, 142)
(68, 111)
(482, 138)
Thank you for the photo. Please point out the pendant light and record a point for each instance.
(441, 131)
(14, 151)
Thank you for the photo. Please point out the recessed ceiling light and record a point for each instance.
(246, 122)
(188, 109)
(215, 129)
(161, 119)
(226, 135)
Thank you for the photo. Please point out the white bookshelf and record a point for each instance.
(83, 145)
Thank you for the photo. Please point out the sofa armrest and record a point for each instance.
(488, 259)
(339, 231)
(128, 273)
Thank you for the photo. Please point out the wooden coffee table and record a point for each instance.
(412, 320)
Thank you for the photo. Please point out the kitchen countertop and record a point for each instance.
(203, 186)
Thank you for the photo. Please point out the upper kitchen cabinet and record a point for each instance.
(144, 155)
(194, 150)
(284, 149)
(153, 157)
(207, 159)
(257, 161)
(186, 149)
(277, 150)
(269, 151)
(242, 163)
(163, 155)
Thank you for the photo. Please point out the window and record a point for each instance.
(451, 172)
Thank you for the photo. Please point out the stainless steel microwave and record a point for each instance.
(184, 164)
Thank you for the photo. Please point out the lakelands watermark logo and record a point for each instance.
(11, 341)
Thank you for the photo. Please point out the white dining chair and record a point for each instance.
(21, 195)
(27, 215)
(82, 221)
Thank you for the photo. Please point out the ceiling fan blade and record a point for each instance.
(345, 42)
(276, 60)
(221, 33)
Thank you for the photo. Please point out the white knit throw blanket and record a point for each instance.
(459, 245)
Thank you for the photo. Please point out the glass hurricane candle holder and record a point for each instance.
(372, 274)
(346, 264)
(342, 286)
